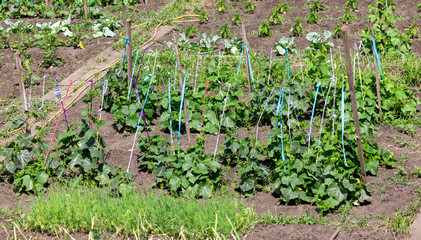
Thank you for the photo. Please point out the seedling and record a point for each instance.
(225, 32)
(297, 28)
(250, 6)
(264, 30)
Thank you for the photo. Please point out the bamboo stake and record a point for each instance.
(20, 77)
(180, 79)
(85, 9)
(376, 70)
(353, 101)
(243, 28)
(129, 49)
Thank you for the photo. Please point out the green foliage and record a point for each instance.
(297, 29)
(225, 31)
(413, 31)
(49, 43)
(312, 18)
(283, 8)
(351, 5)
(316, 6)
(236, 19)
(78, 36)
(275, 17)
(264, 30)
(387, 37)
(348, 17)
(283, 44)
(191, 31)
(337, 33)
(222, 5)
(250, 6)
(319, 41)
(164, 214)
(233, 45)
(190, 173)
(203, 16)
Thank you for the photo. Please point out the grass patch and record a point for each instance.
(137, 213)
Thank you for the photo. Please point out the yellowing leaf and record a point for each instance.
(81, 45)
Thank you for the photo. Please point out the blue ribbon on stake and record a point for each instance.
(280, 105)
(288, 62)
(377, 56)
(124, 54)
(239, 65)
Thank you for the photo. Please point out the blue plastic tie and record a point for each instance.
(32, 2)
(125, 46)
(147, 94)
(281, 98)
(343, 123)
(131, 81)
(288, 62)
(239, 65)
(251, 70)
(181, 107)
(314, 106)
(169, 104)
(377, 56)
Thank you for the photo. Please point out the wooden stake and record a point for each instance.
(20, 77)
(376, 70)
(180, 79)
(129, 49)
(47, 3)
(353, 101)
(85, 9)
(243, 29)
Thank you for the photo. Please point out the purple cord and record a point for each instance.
(90, 121)
(62, 104)
(140, 66)
(144, 121)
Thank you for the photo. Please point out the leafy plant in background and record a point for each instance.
(283, 44)
(203, 16)
(221, 5)
(387, 37)
(264, 30)
(191, 31)
(283, 8)
(413, 31)
(337, 33)
(78, 36)
(275, 17)
(312, 18)
(250, 6)
(297, 28)
(316, 6)
(236, 19)
(351, 4)
(348, 17)
(225, 31)
(104, 27)
(49, 43)
(320, 41)
(233, 45)
(207, 43)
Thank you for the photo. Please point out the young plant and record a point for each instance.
(283, 8)
(203, 16)
(191, 31)
(312, 18)
(250, 6)
(208, 43)
(413, 31)
(316, 6)
(264, 30)
(225, 32)
(319, 41)
(222, 5)
(297, 28)
(348, 17)
(236, 19)
(337, 33)
(233, 45)
(275, 17)
(351, 4)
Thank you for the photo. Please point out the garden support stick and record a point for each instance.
(138, 73)
(312, 115)
(270, 64)
(195, 75)
(146, 126)
(203, 109)
(85, 9)
(90, 118)
(288, 61)
(243, 29)
(376, 70)
(42, 101)
(29, 106)
(180, 79)
(21, 82)
(343, 122)
(220, 123)
(261, 114)
(134, 65)
(301, 65)
(182, 103)
(239, 66)
(129, 49)
(104, 90)
(353, 101)
(169, 106)
(58, 120)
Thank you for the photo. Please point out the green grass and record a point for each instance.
(136, 212)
